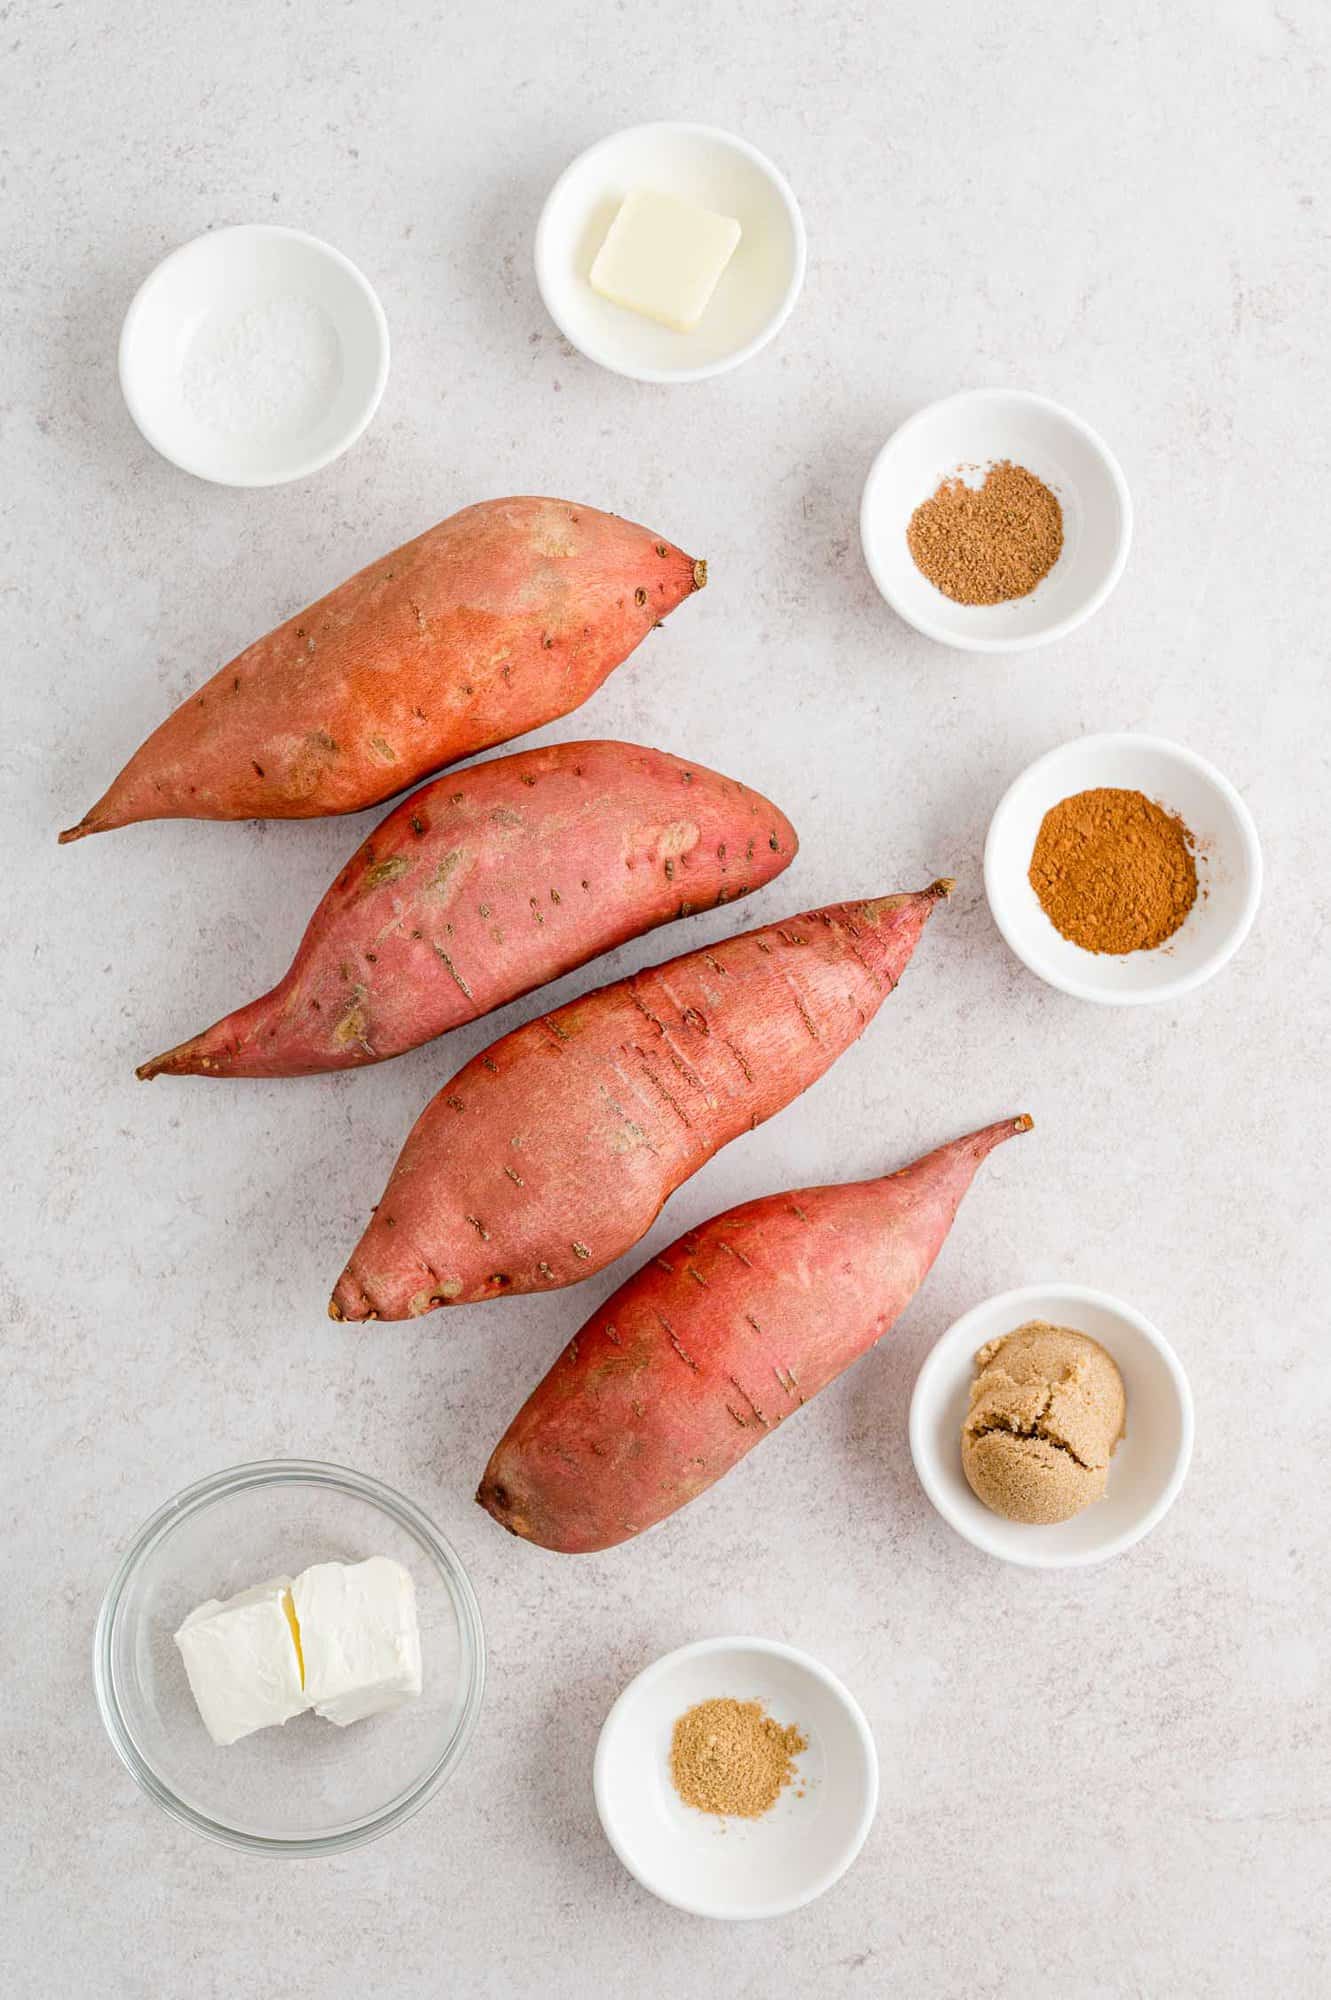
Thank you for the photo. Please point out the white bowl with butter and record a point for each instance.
(279, 1778)
(669, 266)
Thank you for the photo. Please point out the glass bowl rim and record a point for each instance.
(292, 1472)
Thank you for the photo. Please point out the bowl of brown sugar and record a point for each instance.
(995, 520)
(1123, 869)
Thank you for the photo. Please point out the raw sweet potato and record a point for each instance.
(489, 882)
(505, 616)
(550, 1155)
(707, 1349)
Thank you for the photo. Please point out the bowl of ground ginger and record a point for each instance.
(995, 520)
(1123, 869)
(736, 1778)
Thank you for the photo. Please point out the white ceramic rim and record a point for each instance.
(294, 1471)
(703, 370)
(776, 1649)
(1184, 982)
(1016, 1303)
(1027, 640)
(299, 469)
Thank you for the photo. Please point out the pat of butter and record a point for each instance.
(663, 257)
(243, 1661)
(359, 1637)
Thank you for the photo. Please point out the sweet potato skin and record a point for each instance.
(497, 620)
(489, 882)
(711, 1346)
(552, 1153)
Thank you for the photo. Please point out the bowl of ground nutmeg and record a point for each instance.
(995, 520)
(1123, 869)
(736, 1778)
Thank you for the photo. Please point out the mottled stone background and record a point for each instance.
(1112, 1783)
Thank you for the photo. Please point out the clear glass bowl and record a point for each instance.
(307, 1787)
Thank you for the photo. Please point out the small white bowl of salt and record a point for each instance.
(253, 355)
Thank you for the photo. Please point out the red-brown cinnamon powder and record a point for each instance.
(1113, 870)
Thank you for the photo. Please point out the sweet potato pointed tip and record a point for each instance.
(183, 1060)
(975, 1147)
(700, 573)
(990, 1136)
(79, 832)
(942, 888)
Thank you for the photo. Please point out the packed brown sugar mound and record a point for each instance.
(991, 543)
(1047, 1409)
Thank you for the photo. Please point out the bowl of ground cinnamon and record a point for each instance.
(736, 1778)
(995, 520)
(1123, 869)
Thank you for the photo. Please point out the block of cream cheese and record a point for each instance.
(663, 257)
(243, 1661)
(358, 1636)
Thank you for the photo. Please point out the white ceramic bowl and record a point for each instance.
(757, 289)
(974, 430)
(308, 1787)
(734, 1867)
(1228, 857)
(1146, 1470)
(253, 355)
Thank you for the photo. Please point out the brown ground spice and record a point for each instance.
(988, 544)
(730, 1757)
(1113, 870)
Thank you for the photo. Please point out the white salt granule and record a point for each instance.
(270, 370)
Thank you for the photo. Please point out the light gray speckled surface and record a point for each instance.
(1106, 1783)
